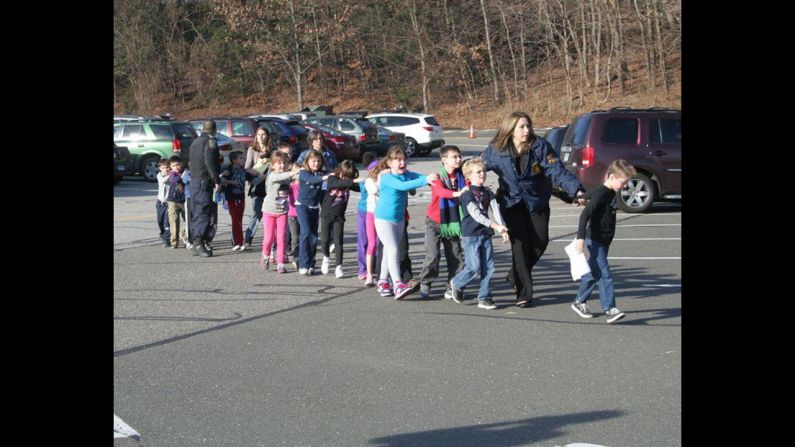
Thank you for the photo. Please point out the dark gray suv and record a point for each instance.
(364, 131)
(650, 139)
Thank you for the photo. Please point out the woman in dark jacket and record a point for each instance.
(526, 166)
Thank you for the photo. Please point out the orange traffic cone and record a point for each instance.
(471, 131)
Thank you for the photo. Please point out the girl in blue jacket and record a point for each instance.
(526, 167)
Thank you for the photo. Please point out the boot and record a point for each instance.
(201, 249)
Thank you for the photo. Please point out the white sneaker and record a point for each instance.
(302, 271)
(310, 271)
(236, 248)
(188, 245)
(338, 272)
(324, 265)
(613, 314)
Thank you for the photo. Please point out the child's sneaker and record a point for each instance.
(236, 248)
(265, 262)
(324, 265)
(310, 271)
(613, 314)
(295, 264)
(280, 269)
(338, 272)
(455, 294)
(166, 243)
(402, 290)
(425, 291)
(188, 245)
(368, 281)
(582, 309)
(302, 271)
(486, 303)
(246, 246)
(384, 289)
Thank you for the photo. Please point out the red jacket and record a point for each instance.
(438, 191)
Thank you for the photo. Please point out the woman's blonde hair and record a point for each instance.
(504, 135)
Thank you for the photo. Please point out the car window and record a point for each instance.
(621, 131)
(346, 125)
(134, 132)
(183, 130)
(241, 128)
(117, 132)
(432, 121)
(297, 129)
(162, 131)
(197, 126)
(666, 131)
(407, 121)
(578, 131)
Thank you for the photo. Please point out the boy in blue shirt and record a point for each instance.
(476, 232)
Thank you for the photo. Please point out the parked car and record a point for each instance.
(649, 139)
(366, 133)
(122, 163)
(288, 131)
(387, 138)
(239, 128)
(147, 142)
(555, 137)
(284, 116)
(185, 135)
(423, 132)
(343, 146)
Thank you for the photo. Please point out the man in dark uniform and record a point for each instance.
(205, 166)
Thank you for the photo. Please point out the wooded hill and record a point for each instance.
(467, 62)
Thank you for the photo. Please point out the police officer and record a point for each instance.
(526, 166)
(205, 167)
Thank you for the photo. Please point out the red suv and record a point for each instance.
(239, 128)
(650, 139)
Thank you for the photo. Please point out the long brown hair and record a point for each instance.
(255, 144)
(504, 135)
(393, 153)
(346, 169)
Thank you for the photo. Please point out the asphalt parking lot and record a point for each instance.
(216, 352)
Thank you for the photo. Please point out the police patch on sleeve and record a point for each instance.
(551, 158)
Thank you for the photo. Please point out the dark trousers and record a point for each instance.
(308, 221)
(452, 253)
(403, 252)
(293, 237)
(331, 226)
(162, 220)
(204, 213)
(529, 235)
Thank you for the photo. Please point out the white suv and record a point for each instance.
(423, 132)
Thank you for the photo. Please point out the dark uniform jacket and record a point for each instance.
(205, 161)
(533, 182)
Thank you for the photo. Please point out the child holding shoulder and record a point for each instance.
(332, 212)
(371, 188)
(599, 215)
(307, 207)
(361, 219)
(275, 208)
(234, 181)
(161, 206)
(176, 202)
(395, 180)
(443, 221)
(476, 232)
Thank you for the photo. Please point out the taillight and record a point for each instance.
(392, 138)
(292, 139)
(587, 156)
(176, 146)
(429, 129)
(363, 137)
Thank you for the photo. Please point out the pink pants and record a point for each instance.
(372, 237)
(275, 229)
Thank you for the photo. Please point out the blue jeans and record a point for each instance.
(253, 224)
(308, 219)
(599, 274)
(162, 220)
(478, 259)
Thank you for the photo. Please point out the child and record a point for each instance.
(393, 187)
(443, 221)
(274, 209)
(234, 180)
(361, 219)
(600, 217)
(476, 232)
(332, 212)
(292, 222)
(289, 239)
(307, 207)
(160, 205)
(176, 201)
(371, 189)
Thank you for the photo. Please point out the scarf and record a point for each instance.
(450, 211)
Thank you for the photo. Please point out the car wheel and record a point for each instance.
(638, 195)
(117, 179)
(149, 168)
(411, 147)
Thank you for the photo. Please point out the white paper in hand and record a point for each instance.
(579, 265)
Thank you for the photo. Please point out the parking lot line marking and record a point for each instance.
(122, 430)
(622, 226)
(632, 239)
(661, 285)
(132, 218)
(644, 257)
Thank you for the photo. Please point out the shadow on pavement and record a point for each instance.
(500, 434)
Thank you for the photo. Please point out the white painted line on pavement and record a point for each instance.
(661, 285)
(622, 226)
(645, 257)
(122, 430)
(632, 239)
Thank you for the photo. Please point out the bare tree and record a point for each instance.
(491, 54)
